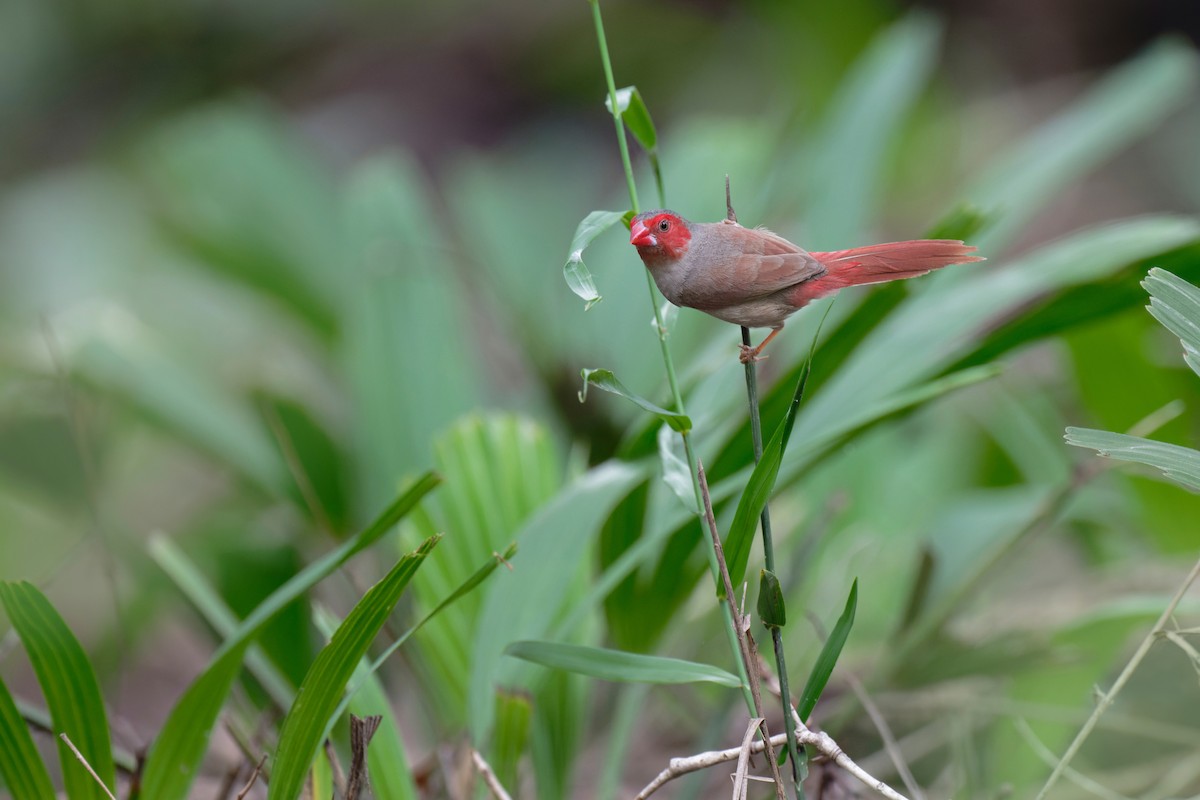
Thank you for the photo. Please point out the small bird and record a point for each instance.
(751, 277)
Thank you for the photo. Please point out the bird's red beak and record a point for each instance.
(640, 235)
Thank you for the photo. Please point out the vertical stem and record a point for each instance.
(676, 395)
(769, 550)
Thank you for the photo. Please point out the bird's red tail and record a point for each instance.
(879, 263)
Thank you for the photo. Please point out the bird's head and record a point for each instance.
(660, 234)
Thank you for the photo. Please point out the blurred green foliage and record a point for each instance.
(244, 301)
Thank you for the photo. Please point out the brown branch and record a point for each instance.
(489, 777)
(253, 778)
(362, 729)
(741, 626)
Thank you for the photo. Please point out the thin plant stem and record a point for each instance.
(768, 542)
(1107, 698)
(676, 395)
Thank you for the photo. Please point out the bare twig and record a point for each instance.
(1047, 755)
(253, 778)
(362, 729)
(890, 745)
(741, 627)
(885, 734)
(1106, 698)
(743, 762)
(86, 765)
(489, 777)
(335, 767)
(819, 741)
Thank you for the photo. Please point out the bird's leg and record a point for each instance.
(750, 354)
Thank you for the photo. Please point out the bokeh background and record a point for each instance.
(261, 263)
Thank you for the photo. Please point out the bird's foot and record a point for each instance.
(750, 355)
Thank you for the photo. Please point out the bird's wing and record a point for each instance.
(754, 263)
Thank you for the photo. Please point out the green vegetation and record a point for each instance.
(282, 441)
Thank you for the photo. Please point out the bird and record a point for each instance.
(757, 279)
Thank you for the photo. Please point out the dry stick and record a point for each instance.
(335, 767)
(765, 517)
(253, 777)
(1044, 753)
(1106, 698)
(821, 742)
(86, 765)
(489, 777)
(890, 745)
(743, 763)
(741, 627)
(362, 730)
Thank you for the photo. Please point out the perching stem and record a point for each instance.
(768, 541)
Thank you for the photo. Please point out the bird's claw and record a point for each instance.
(750, 355)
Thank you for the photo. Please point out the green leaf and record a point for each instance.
(549, 579)
(387, 762)
(676, 473)
(189, 580)
(69, 685)
(740, 538)
(771, 608)
(615, 665)
(479, 576)
(304, 727)
(828, 656)
(20, 765)
(1176, 304)
(575, 272)
(963, 222)
(1128, 102)
(633, 112)
(177, 751)
(847, 159)
(180, 746)
(604, 379)
(514, 714)
(1181, 464)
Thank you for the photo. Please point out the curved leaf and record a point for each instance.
(829, 655)
(1181, 464)
(70, 686)
(320, 693)
(615, 665)
(606, 380)
(575, 272)
(20, 765)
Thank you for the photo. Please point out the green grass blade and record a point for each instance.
(868, 114)
(575, 272)
(1176, 304)
(69, 685)
(514, 714)
(740, 538)
(189, 580)
(1181, 464)
(606, 380)
(1130, 101)
(180, 746)
(24, 774)
(480, 575)
(636, 115)
(176, 754)
(387, 762)
(304, 727)
(615, 665)
(828, 657)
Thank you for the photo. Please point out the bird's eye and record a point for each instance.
(664, 226)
